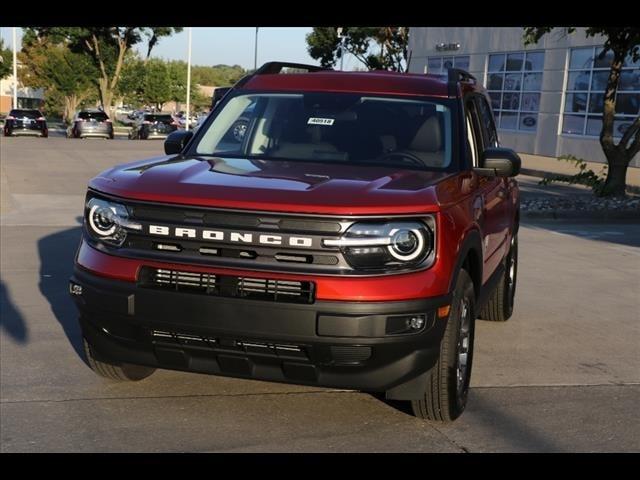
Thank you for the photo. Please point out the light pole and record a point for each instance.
(186, 124)
(15, 70)
(255, 52)
(339, 30)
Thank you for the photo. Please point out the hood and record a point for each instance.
(275, 185)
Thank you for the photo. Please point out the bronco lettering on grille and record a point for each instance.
(245, 238)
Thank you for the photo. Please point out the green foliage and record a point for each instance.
(217, 75)
(6, 61)
(596, 181)
(389, 43)
(106, 47)
(156, 87)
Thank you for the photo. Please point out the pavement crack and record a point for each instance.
(156, 397)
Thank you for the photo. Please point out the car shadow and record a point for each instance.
(57, 253)
(486, 418)
(11, 320)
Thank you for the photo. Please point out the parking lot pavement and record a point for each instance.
(562, 375)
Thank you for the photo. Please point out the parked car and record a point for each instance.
(25, 122)
(153, 125)
(91, 123)
(350, 240)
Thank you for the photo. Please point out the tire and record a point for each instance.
(119, 372)
(499, 307)
(447, 383)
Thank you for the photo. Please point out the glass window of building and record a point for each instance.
(514, 83)
(439, 65)
(586, 84)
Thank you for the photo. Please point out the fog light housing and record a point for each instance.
(75, 289)
(408, 324)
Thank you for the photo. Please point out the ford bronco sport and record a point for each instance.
(349, 240)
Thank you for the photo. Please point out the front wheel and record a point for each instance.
(115, 371)
(447, 383)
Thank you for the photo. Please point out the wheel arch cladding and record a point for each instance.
(470, 258)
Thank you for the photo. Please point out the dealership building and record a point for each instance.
(547, 98)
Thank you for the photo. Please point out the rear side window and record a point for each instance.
(99, 116)
(158, 118)
(25, 113)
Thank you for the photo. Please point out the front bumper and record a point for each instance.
(326, 343)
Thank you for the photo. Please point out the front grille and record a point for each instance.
(286, 291)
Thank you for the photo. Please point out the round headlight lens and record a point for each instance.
(406, 245)
(102, 219)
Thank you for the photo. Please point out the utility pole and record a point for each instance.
(339, 30)
(186, 124)
(255, 52)
(15, 70)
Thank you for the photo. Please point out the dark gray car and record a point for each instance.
(91, 123)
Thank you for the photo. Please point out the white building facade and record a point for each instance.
(547, 98)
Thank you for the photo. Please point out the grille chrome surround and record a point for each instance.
(287, 291)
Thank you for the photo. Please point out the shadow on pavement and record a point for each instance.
(57, 252)
(487, 420)
(11, 320)
(622, 233)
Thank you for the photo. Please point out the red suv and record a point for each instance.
(349, 240)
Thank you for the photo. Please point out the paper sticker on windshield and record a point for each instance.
(320, 121)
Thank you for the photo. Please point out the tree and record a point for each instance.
(623, 42)
(391, 42)
(66, 76)
(156, 88)
(131, 85)
(107, 48)
(6, 61)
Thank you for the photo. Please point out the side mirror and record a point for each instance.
(499, 162)
(176, 141)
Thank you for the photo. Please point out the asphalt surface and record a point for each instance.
(563, 375)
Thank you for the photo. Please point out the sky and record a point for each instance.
(229, 45)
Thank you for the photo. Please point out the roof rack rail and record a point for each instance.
(277, 67)
(269, 68)
(455, 75)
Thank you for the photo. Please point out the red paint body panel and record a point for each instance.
(379, 82)
(277, 186)
(426, 283)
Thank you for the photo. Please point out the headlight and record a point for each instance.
(392, 245)
(108, 221)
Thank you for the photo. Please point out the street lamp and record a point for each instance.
(15, 70)
(255, 52)
(186, 125)
(339, 31)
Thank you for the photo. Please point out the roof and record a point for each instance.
(377, 82)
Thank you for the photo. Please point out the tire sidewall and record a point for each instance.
(464, 290)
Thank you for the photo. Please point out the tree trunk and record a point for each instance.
(616, 182)
(70, 106)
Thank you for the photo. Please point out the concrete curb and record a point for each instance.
(543, 174)
(604, 216)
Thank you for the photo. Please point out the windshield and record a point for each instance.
(332, 127)
(99, 116)
(25, 113)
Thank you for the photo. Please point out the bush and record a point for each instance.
(596, 181)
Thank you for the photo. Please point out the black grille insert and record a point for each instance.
(286, 291)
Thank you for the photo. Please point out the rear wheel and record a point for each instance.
(115, 371)
(447, 383)
(499, 307)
